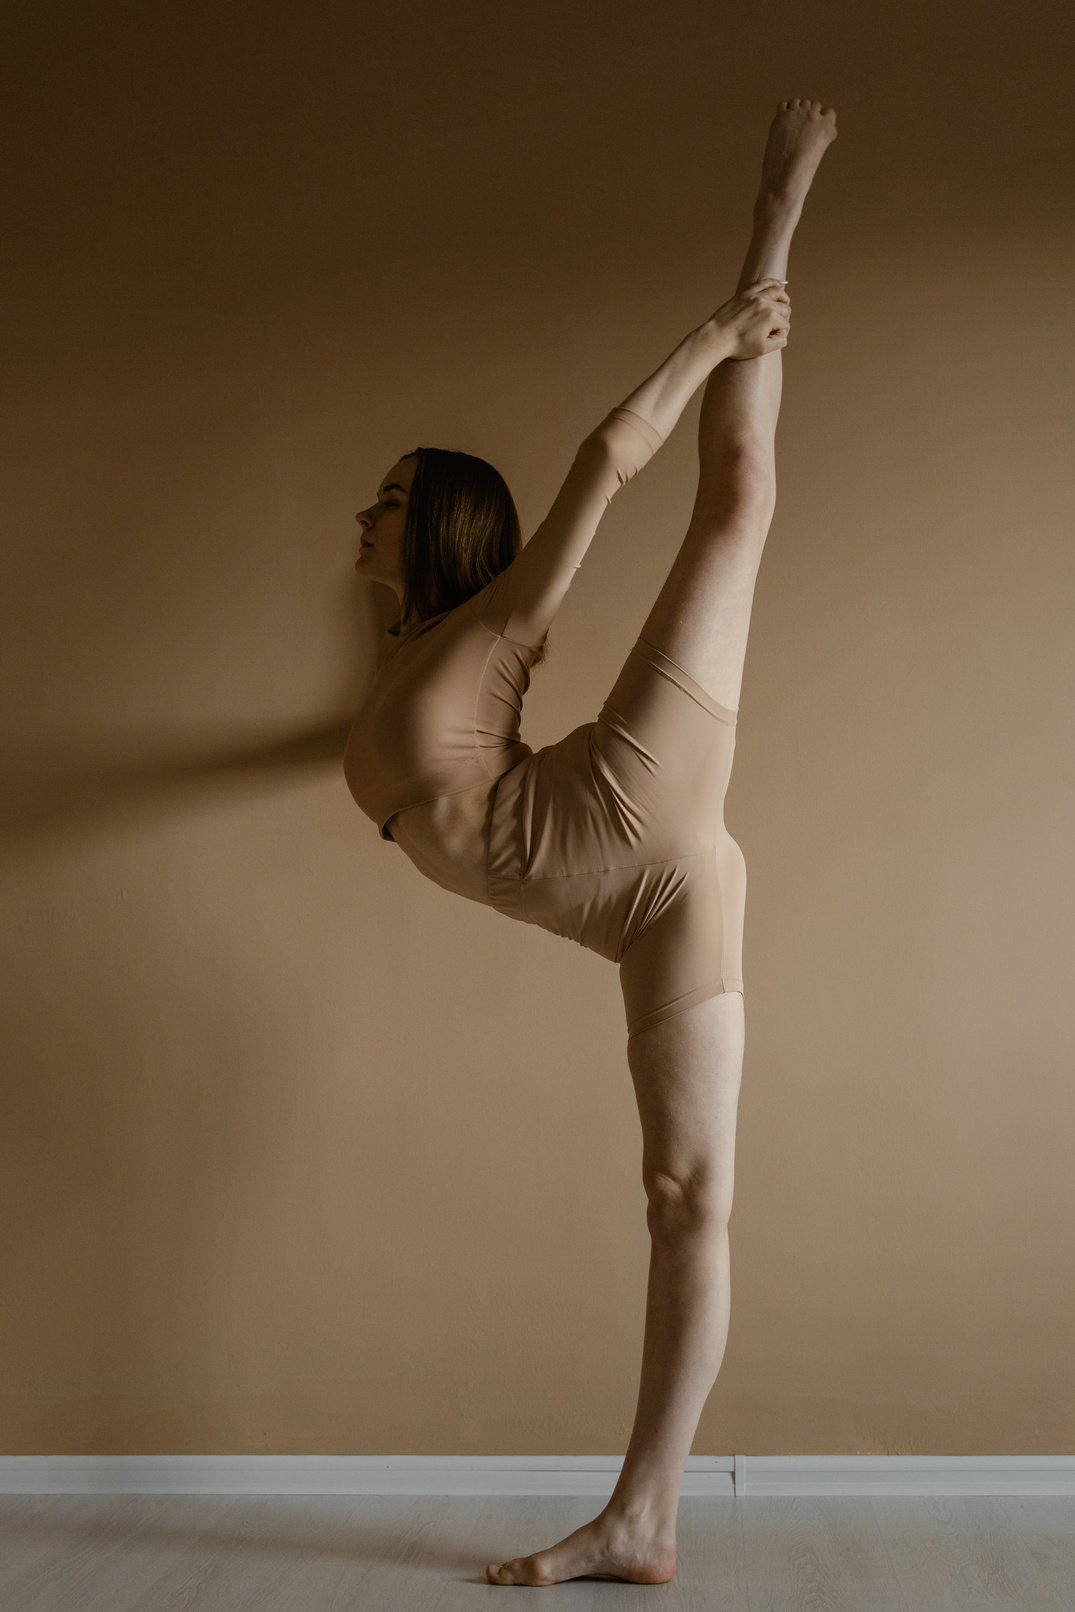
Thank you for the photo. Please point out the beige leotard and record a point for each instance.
(614, 836)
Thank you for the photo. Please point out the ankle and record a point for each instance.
(655, 1519)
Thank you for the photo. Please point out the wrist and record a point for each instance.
(715, 341)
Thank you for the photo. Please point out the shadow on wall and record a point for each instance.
(63, 787)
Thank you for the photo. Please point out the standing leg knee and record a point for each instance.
(679, 1207)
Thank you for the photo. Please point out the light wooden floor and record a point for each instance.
(312, 1553)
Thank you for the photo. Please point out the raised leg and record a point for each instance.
(701, 616)
(687, 1069)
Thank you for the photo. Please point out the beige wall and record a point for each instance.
(295, 1156)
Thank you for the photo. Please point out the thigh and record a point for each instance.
(701, 617)
(687, 1071)
(665, 747)
(688, 944)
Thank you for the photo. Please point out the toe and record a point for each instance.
(503, 1573)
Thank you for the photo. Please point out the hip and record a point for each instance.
(447, 839)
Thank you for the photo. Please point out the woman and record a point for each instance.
(613, 837)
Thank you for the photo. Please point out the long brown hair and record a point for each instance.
(461, 530)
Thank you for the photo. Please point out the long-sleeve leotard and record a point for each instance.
(443, 712)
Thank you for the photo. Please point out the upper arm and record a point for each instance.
(525, 597)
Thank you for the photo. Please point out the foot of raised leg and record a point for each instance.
(799, 135)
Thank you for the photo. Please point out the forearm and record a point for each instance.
(664, 395)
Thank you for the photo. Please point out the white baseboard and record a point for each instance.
(725, 1475)
(862, 1475)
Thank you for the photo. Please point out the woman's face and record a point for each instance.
(381, 526)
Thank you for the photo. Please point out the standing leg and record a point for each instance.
(686, 1071)
(701, 616)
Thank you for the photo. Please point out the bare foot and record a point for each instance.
(798, 136)
(602, 1548)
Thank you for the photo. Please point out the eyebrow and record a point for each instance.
(396, 486)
